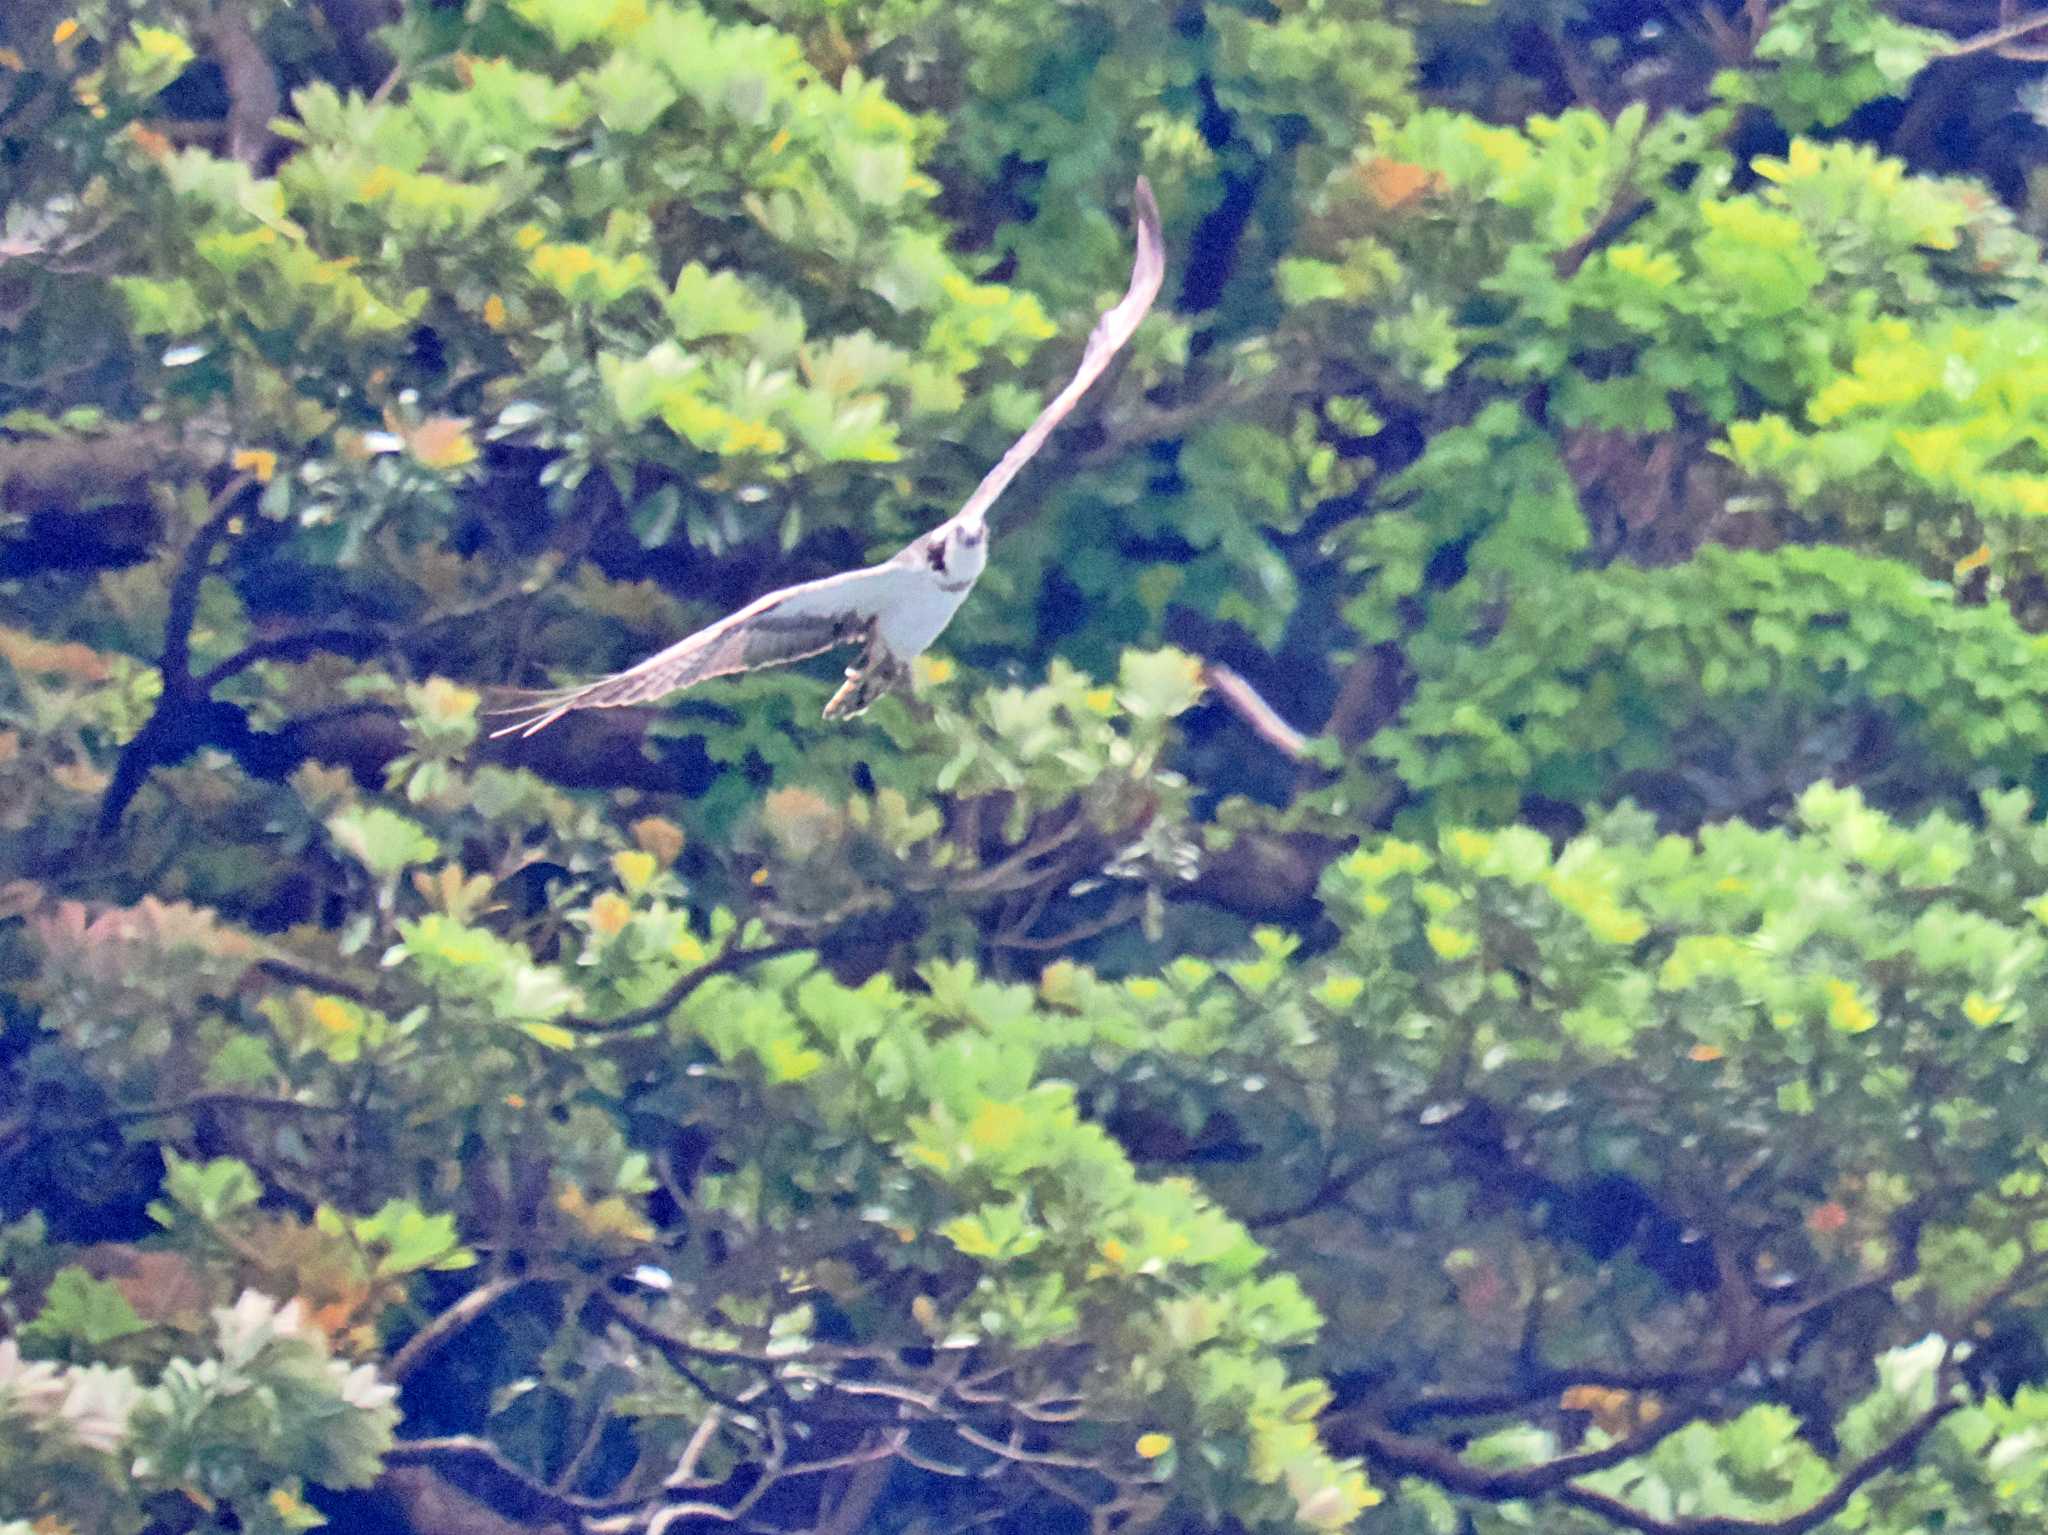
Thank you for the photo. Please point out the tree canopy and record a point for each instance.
(1455, 939)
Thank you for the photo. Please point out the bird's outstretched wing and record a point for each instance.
(1112, 331)
(787, 625)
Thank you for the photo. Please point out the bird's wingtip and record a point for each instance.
(526, 725)
(1149, 266)
(531, 711)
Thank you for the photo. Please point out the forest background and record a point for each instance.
(1456, 941)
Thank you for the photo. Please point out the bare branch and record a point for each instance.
(593, 1435)
(1894, 1456)
(251, 1102)
(423, 1344)
(1244, 701)
(1123, 911)
(481, 1454)
(1016, 1452)
(294, 974)
(685, 1473)
(253, 96)
(193, 566)
(173, 717)
(1998, 37)
(940, 1468)
(352, 643)
(686, 1358)
(1547, 1385)
(1409, 1456)
(1014, 872)
(729, 959)
(1332, 1189)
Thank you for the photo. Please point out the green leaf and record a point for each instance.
(381, 840)
(167, 307)
(656, 515)
(153, 58)
(210, 1190)
(1158, 684)
(79, 1309)
(242, 1060)
(411, 1239)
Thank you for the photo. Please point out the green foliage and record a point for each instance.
(952, 1142)
(1807, 319)
(1063, 1239)
(1496, 489)
(238, 1431)
(211, 1191)
(1720, 686)
(271, 1407)
(80, 1311)
(486, 188)
(1944, 420)
(1683, 941)
(1824, 59)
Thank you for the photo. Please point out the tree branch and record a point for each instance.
(1892, 1457)
(683, 1357)
(1434, 1462)
(1264, 720)
(253, 96)
(1123, 911)
(1333, 1188)
(350, 23)
(351, 643)
(175, 709)
(1547, 1386)
(193, 565)
(856, 1501)
(1014, 872)
(249, 1101)
(725, 962)
(1368, 696)
(1545, 1383)
(519, 1488)
(425, 1343)
(1998, 37)
(293, 974)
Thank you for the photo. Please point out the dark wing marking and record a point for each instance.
(784, 626)
(1112, 331)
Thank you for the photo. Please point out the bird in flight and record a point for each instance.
(894, 609)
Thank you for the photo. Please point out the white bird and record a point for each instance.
(895, 608)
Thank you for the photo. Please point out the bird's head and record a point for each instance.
(963, 549)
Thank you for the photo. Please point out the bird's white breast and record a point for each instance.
(920, 611)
